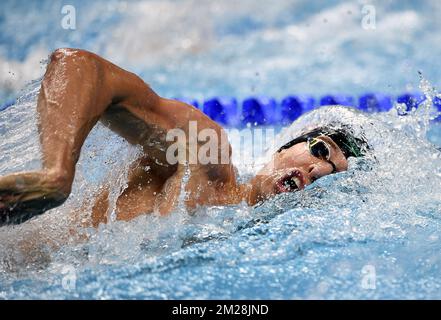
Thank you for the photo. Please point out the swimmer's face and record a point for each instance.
(298, 166)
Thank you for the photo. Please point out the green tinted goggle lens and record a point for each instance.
(319, 149)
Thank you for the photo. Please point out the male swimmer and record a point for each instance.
(80, 88)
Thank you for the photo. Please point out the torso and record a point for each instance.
(154, 185)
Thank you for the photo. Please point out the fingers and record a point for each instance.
(12, 211)
(16, 213)
(21, 211)
(8, 198)
(4, 214)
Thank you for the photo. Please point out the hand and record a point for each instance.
(14, 210)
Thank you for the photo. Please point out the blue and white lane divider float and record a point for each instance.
(263, 110)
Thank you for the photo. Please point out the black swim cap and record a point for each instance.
(348, 144)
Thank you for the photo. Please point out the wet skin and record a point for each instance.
(79, 89)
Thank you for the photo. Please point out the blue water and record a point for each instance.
(365, 233)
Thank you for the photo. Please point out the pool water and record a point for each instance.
(370, 232)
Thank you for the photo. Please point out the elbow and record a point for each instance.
(71, 60)
(62, 53)
(70, 54)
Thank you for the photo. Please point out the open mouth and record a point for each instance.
(290, 182)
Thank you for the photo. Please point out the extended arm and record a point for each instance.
(77, 89)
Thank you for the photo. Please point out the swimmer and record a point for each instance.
(80, 88)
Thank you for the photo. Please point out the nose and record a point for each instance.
(316, 170)
(311, 172)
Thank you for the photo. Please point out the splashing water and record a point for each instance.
(380, 219)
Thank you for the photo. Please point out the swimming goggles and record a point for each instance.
(321, 150)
